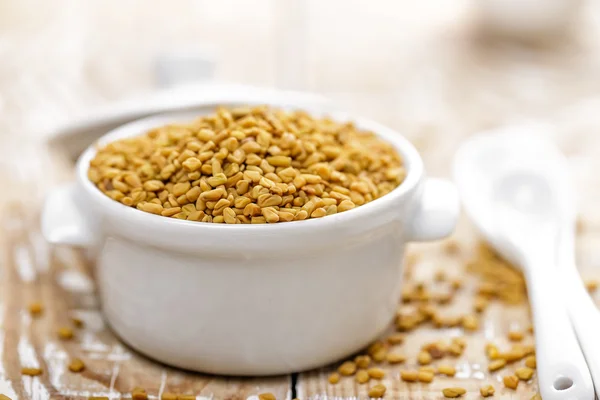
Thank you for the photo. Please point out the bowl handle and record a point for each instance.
(63, 220)
(436, 213)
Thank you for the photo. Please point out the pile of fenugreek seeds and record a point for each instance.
(248, 165)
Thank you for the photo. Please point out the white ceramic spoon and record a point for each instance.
(509, 189)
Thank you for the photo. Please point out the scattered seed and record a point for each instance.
(496, 365)
(77, 322)
(524, 373)
(487, 391)
(4, 397)
(31, 371)
(377, 391)
(139, 393)
(409, 376)
(186, 397)
(65, 333)
(456, 284)
(536, 397)
(396, 338)
(362, 376)
(98, 398)
(446, 369)
(395, 358)
(591, 285)
(470, 323)
(453, 392)
(427, 368)
(36, 308)
(515, 336)
(440, 276)
(492, 351)
(480, 304)
(362, 361)
(424, 358)
(531, 362)
(168, 396)
(511, 381)
(376, 373)
(380, 355)
(76, 365)
(425, 376)
(347, 368)
(267, 396)
(334, 378)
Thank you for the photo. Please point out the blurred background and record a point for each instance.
(434, 70)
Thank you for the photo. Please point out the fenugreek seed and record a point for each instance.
(591, 285)
(36, 308)
(192, 164)
(459, 341)
(470, 322)
(186, 397)
(377, 391)
(169, 212)
(427, 368)
(396, 338)
(151, 208)
(212, 195)
(334, 378)
(168, 396)
(347, 368)
(379, 355)
(266, 396)
(524, 373)
(279, 161)
(318, 213)
(536, 397)
(98, 398)
(153, 186)
(376, 373)
(496, 365)
(229, 216)
(65, 333)
(409, 376)
(424, 358)
(78, 322)
(453, 392)
(362, 376)
(456, 284)
(270, 214)
(31, 371)
(515, 336)
(395, 358)
(425, 376)
(217, 179)
(514, 354)
(511, 382)
(346, 205)
(531, 362)
(480, 304)
(440, 276)
(76, 365)
(4, 397)
(487, 391)
(139, 393)
(362, 361)
(446, 369)
(491, 351)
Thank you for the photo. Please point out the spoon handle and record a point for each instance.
(562, 370)
(584, 314)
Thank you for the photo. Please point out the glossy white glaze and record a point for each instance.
(250, 299)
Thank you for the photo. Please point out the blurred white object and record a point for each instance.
(185, 66)
(514, 186)
(527, 19)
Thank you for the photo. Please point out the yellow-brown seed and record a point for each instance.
(395, 358)
(515, 336)
(36, 308)
(380, 355)
(98, 398)
(425, 376)
(470, 323)
(591, 285)
(168, 396)
(496, 365)
(409, 376)
(531, 362)
(524, 373)
(65, 333)
(31, 371)
(536, 397)
(334, 378)
(445, 369)
(362, 361)
(78, 322)
(139, 393)
(376, 373)
(492, 352)
(511, 382)
(487, 391)
(186, 397)
(395, 338)
(453, 392)
(347, 368)
(266, 396)
(76, 365)
(377, 391)
(424, 358)
(480, 304)
(362, 376)
(4, 397)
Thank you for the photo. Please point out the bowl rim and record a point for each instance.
(411, 159)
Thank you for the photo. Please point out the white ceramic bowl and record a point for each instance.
(250, 299)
